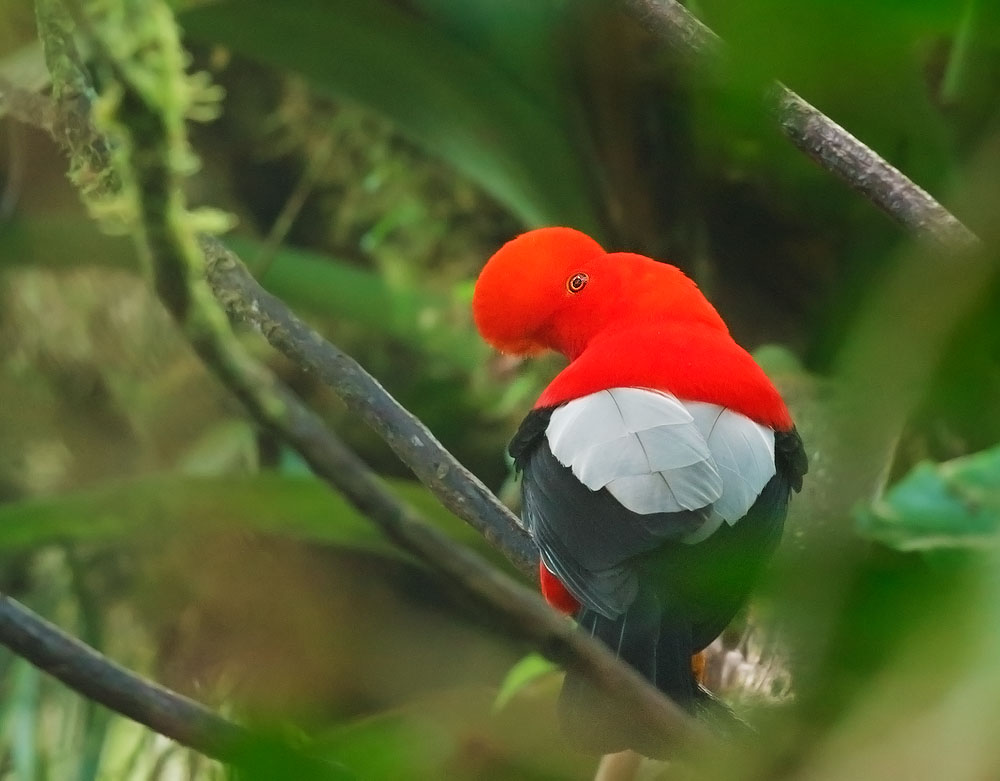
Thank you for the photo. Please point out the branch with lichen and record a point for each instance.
(142, 114)
(74, 94)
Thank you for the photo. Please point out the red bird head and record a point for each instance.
(556, 288)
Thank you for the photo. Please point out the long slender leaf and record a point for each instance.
(438, 91)
(299, 507)
(308, 281)
(24, 720)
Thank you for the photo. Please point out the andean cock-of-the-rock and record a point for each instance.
(657, 466)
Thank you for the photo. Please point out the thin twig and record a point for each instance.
(100, 679)
(293, 206)
(817, 135)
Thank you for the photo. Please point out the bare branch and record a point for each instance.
(677, 27)
(839, 152)
(817, 135)
(98, 678)
(457, 488)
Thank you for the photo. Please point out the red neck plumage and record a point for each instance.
(693, 361)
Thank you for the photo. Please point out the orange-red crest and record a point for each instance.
(555, 288)
(523, 285)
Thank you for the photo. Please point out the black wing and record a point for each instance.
(586, 538)
(596, 547)
(790, 457)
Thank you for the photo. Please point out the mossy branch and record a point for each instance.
(143, 112)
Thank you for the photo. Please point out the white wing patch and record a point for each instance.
(657, 454)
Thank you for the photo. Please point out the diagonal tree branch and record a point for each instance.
(817, 135)
(98, 678)
(887, 187)
(454, 485)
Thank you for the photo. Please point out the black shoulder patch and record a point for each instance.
(529, 435)
(790, 457)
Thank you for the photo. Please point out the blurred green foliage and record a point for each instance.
(375, 153)
(955, 504)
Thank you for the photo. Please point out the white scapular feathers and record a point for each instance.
(657, 454)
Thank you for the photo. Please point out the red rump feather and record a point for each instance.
(555, 592)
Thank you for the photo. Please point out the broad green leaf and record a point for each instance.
(526, 38)
(265, 502)
(297, 506)
(951, 505)
(440, 92)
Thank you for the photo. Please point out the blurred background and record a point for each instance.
(375, 153)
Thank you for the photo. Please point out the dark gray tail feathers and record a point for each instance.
(659, 647)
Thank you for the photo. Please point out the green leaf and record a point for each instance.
(529, 669)
(301, 507)
(439, 91)
(266, 502)
(955, 504)
(523, 37)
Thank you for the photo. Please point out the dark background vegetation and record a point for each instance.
(375, 153)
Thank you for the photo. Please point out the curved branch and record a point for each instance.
(98, 678)
(454, 485)
(817, 135)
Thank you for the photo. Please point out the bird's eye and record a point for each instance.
(577, 282)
